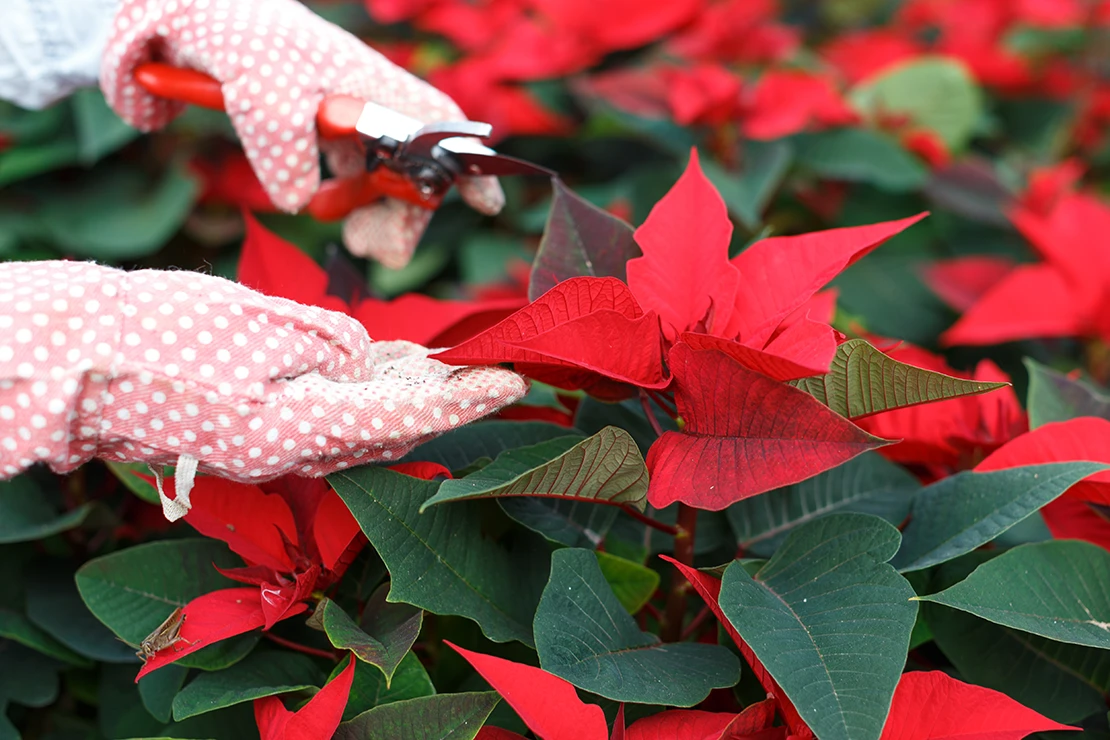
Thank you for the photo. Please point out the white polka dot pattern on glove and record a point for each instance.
(276, 60)
(183, 368)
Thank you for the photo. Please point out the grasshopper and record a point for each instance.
(165, 635)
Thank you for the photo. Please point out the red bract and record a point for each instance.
(934, 706)
(962, 281)
(551, 708)
(1072, 519)
(745, 434)
(863, 54)
(229, 179)
(616, 24)
(745, 31)
(788, 102)
(951, 435)
(1083, 438)
(295, 540)
(1064, 296)
(319, 718)
(273, 266)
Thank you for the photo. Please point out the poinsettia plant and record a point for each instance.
(817, 436)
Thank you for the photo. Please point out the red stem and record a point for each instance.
(684, 553)
(646, 403)
(696, 623)
(328, 654)
(649, 521)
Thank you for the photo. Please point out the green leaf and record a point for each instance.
(863, 381)
(1054, 396)
(19, 628)
(28, 678)
(860, 155)
(383, 637)
(440, 561)
(127, 474)
(132, 591)
(584, 635)
(159, 688)
(606, 467)
(99, 130)
(123, 216)
(633, 584)
(443, 717)
(564, 521)
(579, 239)
(962, 512)
(748, 192)
(262, 673)
(27, 160)
(55, 606)
(830, 620)
(368, 689)
(936, 93)
(1058, 589)
(459, 448)
(868, 484)
(1061, 681)
(26, 514)
(120, 710)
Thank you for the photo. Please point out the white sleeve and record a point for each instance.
(49, 48)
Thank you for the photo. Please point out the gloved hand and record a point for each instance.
(276, 61)
(192, 370)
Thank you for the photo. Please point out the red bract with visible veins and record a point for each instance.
(319, 718)
(275, 267)
(1066, 295)
(295, 535)
(1082, 438)
(951, 435)
(755, 319)
(550, 707)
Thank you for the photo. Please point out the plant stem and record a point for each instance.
(684, 553)
(328, 654)
(646, 403)
(696, 623)
(649, 521)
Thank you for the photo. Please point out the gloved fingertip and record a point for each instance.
(387, 232)
(483, 194)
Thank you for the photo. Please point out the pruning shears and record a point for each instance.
(406, 159)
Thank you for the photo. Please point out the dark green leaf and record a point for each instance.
(122, 217)
(863, 381)
(747, 193)
(132, 591)
(1058, 589)
(27, 160)
(27, 678)
(877, 289)
(935, 93)
(158, 689)
(443, 717)
(868, 484)
(606, 467)
(830, 620)
(99, 130)
(121, 712)
(962, 512)
(584, 635)
(17, 627)
(579, 239)
(1061, 681)
(1054, 396)
(440, 561)
(262, 673)
(565, 521)
(593, 416)
(633, 584)
(460, 447)
(369, 690)
(55, 606)
(26, 514)
(860, 155)
(382, 638)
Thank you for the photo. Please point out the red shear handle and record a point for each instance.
(335, 119)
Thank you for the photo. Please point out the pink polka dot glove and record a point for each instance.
(185, 369)
(276, 61)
